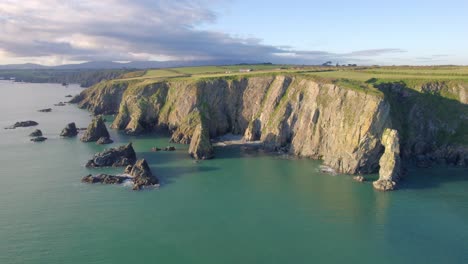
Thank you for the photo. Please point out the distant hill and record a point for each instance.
(109, 65)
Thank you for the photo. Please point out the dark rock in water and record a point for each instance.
(60, 104)
(96, 130)
(46, 110)
(384, 185)
(105, 179)
(82, 128)
(69, 96)
(104, 141)
(169, 148)
(69, 131)
(155, 149)
(23, 124)
(141, 174)
(38, 139)
(359, 178)
(36, 133)
(114, 157)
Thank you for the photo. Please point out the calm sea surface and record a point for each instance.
(237, 208)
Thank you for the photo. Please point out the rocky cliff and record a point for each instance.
(341, 123)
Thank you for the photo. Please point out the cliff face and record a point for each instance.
(341, 125)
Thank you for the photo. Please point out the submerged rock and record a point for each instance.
(60, 104)
(38, 139)
(155, 149)
(390, 163)
(28, 123)
(96, 130)
(46, 110)
(359, 178)
(114, 157)
(69, 131)
(68, 96)
(36, 133)
(104, 141)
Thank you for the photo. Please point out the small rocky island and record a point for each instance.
(139, 173)
(36, 133)
(46, 110)
(28, 123)
(114, 157)
(96, 130)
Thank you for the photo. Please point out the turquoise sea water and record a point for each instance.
(237, 208)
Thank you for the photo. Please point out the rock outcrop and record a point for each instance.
(200, 145)
(23, 124)
(69, 131)
(114, 157)
(390, 163)
(46, 110)
(38, 139)
(36, 133)
(96, 130)
(140, 174)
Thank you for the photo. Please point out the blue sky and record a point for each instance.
(422, 28)
(296, 31)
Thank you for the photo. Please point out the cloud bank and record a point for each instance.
(59, 31)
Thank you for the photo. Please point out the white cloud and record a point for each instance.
(56, 31)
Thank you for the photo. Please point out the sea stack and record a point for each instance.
(69, 131)
(36, 133)
(141, 174)
(96, 130)
(390, 162)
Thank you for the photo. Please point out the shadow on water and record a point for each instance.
(434, 177)
(169, 166)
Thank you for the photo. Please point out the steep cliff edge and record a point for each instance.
(341, 123)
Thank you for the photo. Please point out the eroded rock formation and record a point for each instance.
(114, 157)
(69, 131)
(390, 163)
(339, 124)
(96, 130)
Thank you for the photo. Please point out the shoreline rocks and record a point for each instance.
(60, 104)
(114, 157)
(46, 110)
(96, 130)
(36, 133)
(28, 123)
(69, 131)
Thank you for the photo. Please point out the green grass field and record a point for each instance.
(352, 77)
